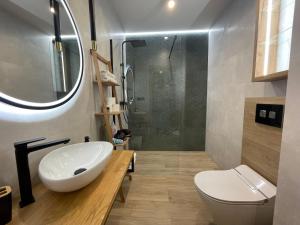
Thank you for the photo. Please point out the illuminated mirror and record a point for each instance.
(273, 39)
(41, 54)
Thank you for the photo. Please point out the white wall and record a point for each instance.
(76, 121)
(231, 49)
(288, 191)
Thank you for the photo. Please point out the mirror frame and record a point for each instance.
(280, 75)
(42, 106)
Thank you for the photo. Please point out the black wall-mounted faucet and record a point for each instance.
(21, 152)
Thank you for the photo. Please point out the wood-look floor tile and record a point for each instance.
(162, 191)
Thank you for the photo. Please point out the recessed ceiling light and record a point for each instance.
(171, 4)
(166, 38)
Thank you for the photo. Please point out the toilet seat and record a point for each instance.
(241, 185)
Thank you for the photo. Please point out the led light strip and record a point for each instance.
(158, 33)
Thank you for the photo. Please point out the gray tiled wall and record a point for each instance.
(169, 112)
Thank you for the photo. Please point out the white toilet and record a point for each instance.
(238, 196)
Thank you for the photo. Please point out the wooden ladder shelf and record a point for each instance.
(102, 86)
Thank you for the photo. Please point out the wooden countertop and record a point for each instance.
(88, 206)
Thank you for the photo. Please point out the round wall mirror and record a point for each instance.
(41, 59)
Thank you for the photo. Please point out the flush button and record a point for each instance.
(263, 113)
(272, 115)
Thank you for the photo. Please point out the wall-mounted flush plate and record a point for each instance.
(263, 113)
(271, 115)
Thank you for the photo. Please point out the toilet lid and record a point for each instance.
(228, 186)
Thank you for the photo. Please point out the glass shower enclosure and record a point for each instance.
(167, 89)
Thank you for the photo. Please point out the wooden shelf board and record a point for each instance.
(107, 83)
(89, 205)
(110, 113)
(272, 77)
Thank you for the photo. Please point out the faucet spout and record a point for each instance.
(21, 152)
(49, 144)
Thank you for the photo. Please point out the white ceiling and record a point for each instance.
(154, 15)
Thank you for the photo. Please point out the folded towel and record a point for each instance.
(108, 76)
(117, 141)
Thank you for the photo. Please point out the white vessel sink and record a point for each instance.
(74, 166)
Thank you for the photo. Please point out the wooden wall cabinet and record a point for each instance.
(273, 39)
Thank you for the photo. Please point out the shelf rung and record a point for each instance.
(108, 83)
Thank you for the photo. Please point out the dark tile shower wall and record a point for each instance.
(169, 112)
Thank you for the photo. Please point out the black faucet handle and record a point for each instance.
(22, 143)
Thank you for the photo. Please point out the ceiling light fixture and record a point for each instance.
(166, 38)
(171, 4)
